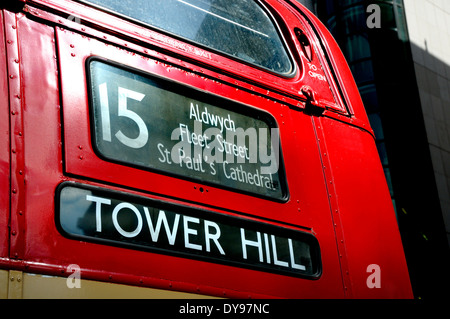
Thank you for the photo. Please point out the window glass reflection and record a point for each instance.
(240, 28)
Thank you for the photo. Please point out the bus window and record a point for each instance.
(241, 29)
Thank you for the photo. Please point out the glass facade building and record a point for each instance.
(380, 57)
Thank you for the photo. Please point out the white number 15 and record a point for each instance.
(124, 94)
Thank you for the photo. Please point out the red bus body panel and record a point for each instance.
(337, 190)
(4, 149)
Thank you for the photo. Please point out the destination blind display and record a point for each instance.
(151, 123)
(116, 218)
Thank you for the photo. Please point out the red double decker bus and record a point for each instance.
(187, 148)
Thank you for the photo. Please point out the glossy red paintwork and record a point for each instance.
(4, 149)
(336, 182)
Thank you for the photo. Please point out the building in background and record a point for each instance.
(402, 67)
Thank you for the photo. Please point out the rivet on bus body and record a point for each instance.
(14, 27)
(16, 60)
(14, 191)
(73, 54)
(13, 233)
(72, 46)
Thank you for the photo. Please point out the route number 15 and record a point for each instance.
(123, 111)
